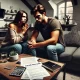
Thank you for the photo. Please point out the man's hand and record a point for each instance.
(32, 44)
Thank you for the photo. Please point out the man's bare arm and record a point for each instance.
(52, 40)
(34, 36)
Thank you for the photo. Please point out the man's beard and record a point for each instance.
(42, 21)
(38, 22)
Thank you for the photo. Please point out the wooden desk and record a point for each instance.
(6, 72)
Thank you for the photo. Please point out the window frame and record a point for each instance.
(63, 20)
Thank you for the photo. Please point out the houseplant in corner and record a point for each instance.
(13, 56)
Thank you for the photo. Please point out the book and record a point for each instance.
(51, 66)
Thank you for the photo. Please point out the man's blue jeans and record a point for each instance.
(52, 51)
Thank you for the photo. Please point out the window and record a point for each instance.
(65, 12)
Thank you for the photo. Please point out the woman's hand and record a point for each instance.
(25, 28)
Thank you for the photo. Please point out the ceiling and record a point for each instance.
(57, 1)
(31, 3)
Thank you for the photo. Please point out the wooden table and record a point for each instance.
(6, 72)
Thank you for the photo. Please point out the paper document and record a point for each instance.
(29, 60)
(35, 71)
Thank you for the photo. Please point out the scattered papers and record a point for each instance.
(34, 69)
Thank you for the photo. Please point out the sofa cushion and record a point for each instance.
(66, 32)
(39, 38)
(79, 32)
(67, 55)
(76, 56)
(72, 39)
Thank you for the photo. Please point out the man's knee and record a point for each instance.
(60, 48)
(51, 47)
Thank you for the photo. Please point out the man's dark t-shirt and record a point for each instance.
(46, 29)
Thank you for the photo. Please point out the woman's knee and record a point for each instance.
(17, 47)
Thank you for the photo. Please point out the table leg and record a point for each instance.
(64, 73)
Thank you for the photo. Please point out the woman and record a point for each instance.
(16, 38)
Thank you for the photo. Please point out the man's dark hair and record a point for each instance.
(40, 8)
(19, 16)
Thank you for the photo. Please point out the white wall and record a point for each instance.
(76, 14)
(48, 7)
(54, 6)
(16, 4)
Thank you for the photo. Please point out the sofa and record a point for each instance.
(71, 55)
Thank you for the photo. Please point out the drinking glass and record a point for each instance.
(3, 57)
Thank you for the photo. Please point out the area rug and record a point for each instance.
(69, 76)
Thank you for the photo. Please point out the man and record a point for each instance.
(51, 31)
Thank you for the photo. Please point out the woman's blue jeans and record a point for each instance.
(20, 48)
(52, 51)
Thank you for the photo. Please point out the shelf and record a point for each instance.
(2, 38)
(10, 13)
(3, 29)
(4, 19)
(8, 19)
(1, 19)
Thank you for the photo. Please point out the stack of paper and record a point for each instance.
(29, 60)
(34, 69)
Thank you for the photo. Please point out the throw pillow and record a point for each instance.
(72, 39)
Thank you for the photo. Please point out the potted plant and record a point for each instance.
(13, 55)
(67, 19)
